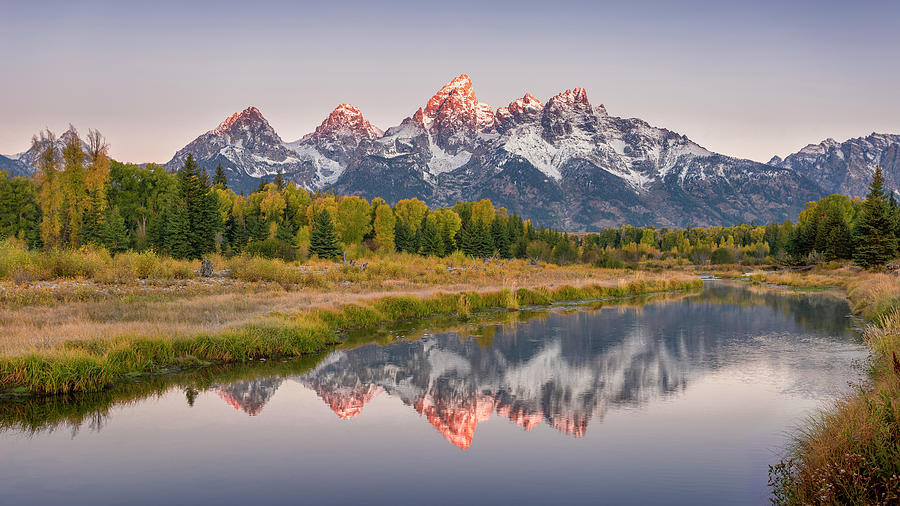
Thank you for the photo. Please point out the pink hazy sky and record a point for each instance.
(750, 80)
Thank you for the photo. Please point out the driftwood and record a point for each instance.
(801, 268)
(475, 266)
(206, 268)
(352, 263)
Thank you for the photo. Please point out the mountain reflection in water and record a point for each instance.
(568, 369)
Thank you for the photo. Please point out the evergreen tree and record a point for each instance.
(484, 240)
(207, 222)
(285, 233)
(236, 234)
(20, 212)
(404, 238)
(219, 179)
(323, 239)
(93, 222)
(467, 239)
(279, 181)
(895, 216)
(196, 212)
(500, 237)
(475, 239)
(115, 235)
(262, 184)
(432, 244)
(176, 232)
(837, 241)
(876, 242)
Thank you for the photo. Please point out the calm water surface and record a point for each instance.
(684, 400)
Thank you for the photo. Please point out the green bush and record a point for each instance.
(722, 256)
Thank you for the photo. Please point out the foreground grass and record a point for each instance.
(52, 298)
(851, 453)
(93, 364)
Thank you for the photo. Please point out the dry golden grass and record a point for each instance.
(86, 309)
(851, 454)
(92, 363)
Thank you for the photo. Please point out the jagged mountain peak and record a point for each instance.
(517, 110)
(246, 146)
(527, 102)
(563, 162)
(243, 119)
(459, 89)
(847, 167)
(346, 119)
(330, 148)
(570, 99)
(454, 113)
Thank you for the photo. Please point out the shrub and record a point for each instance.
(722, 255)
(273, 248)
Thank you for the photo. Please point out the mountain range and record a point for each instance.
(564, 163)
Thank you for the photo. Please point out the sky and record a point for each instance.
(747, 79)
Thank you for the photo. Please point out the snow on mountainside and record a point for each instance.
(25, 163)
(847, 167)
(566, 164)
(14, 167)
(332, 145)
(454, 117)
(562, 163)
(245, 145)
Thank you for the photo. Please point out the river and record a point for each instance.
(678, 399)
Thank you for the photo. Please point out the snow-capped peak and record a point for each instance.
(570, 98)
(248, 116)
(517, 109)
(526, 103)
(454, 107)
(346, 119)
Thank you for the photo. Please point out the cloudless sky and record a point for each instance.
(749, 79)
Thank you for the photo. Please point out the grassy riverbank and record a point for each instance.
(164, 332)
(850, 454)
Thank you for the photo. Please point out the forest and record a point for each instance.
(80, 197)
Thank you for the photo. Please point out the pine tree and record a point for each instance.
(93, 221)
(895, 216)
(262, 184)
(404, 238)
(499, 234)
(196, 212)
(285, 233)
(115, 235)
(207, 221)
(484, 240)
(323, 240)
(219, 179)
(467, 239)
(279, 181)
(176, 230)
(876, 242)
(838, 238)
(432, 244)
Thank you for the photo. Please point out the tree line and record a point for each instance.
(79, 196)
